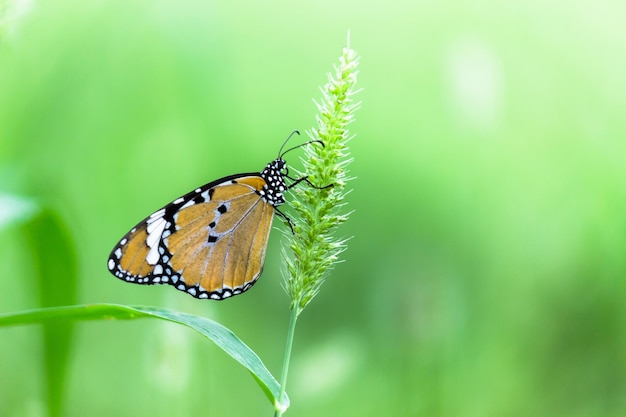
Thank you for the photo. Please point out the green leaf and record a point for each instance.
(55, 266)
(217, 333)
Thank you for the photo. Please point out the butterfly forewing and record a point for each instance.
(210, 243)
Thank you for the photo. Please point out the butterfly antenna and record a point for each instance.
(295, 132)
(281, 153)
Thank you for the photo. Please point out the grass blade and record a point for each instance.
(218, 334)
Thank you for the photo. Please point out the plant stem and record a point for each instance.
(280, 408)
(312, 249)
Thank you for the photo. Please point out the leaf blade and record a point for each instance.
(217, 333)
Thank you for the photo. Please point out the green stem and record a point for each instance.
(283, 378)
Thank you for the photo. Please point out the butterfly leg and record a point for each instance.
(284, 216)
(297, 181)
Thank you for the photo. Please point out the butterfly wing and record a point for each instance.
(209, 243)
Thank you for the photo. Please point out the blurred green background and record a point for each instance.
(486, 273)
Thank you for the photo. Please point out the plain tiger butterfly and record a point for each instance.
(211, 242)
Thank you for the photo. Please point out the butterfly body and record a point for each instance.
(210, 242)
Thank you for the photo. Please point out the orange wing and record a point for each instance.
(209, 243)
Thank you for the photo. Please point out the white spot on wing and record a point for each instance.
(111, 264)
(156, 224)
(156, 215)
(155, 230)
(153, 256)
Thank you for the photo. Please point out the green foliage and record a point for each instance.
(218, 334)
(54, 255)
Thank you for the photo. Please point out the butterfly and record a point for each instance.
(211, 242)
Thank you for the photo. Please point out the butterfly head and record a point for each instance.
(275, 173)
(274, 176)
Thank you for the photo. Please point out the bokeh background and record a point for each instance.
(485, 276)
